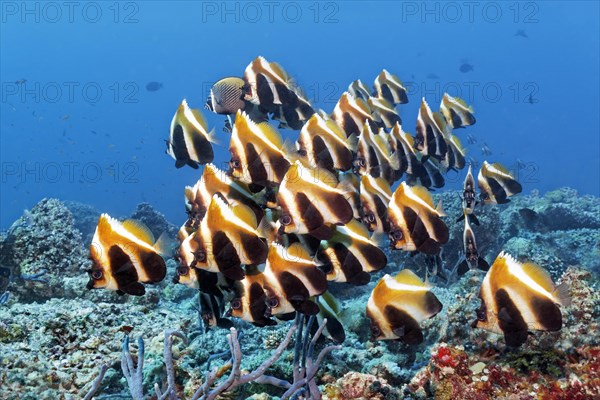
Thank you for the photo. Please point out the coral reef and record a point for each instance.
(56, 335)
(44, 248)
(154, 220)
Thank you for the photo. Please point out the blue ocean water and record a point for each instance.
(77, 122)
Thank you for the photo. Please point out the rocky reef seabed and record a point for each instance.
(55, 334)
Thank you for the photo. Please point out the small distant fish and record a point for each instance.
(455, 154)
(384, 112)
(472, 258)
(466, 67)
(521, 33)
(268, 84)
(485, 150)
(258, 155)
(398, 305)
(359, 90)
(350, 255)
(291, 278)
(65, 117)
(496, 184)
(469, 201)
(471, 138)
(389, 87)
(350, 113)
(227, 96)
(374, 155)
(189, 139)
(20, 81)
(432, 76)
(415, 223)
(429, 138)
(153, 86)
(125, 255)
(311, 201)
(271, 88)
(517, 298)
(375, 195)
(456, 112)
(419, 170)
(324, 144)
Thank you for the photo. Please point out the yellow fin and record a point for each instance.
(501, 168)
(271, 134)
(244, 213)
(422, 193)
(325, 176)
(539, 275)
(297, 250)
(358, 227)
(200, 118)
(407, 277)
(278, 69)
(139, 230)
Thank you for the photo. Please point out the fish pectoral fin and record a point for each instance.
(224, 323)
(461, 218)
(505, 316)
(307, 308)
(323, 232)
(360, 279)
(482, 264)
(287, 316)
(473, 219)
(134, 289)
(411, 335)
(180, 163)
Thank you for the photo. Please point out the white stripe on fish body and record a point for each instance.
(380, 319)
(411, 195)
(516, 269)
(392, 284)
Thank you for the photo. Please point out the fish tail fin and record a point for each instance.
(439, 209)
(212, 137)
(482, 264)
(463, 267)
(562, 293)
(165, 245)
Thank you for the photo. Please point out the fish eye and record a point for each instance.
(272, 302)
(481, 314)
(182, 270)
(397, 235)
(235, 163)
(375, 331)
(370, 218)
(236, 304)
(285, 220)
(200, 255)
(361, 162)
(96, 274)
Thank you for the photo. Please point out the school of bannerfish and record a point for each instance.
(263, 239)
